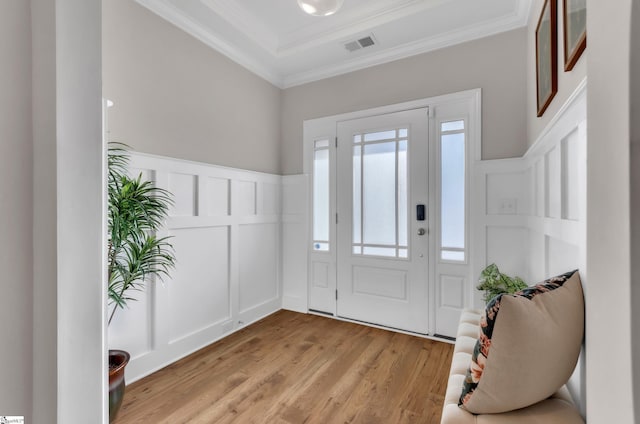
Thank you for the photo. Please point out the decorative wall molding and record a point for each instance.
(360, 21)
(443, 313)
(568, 112)
(532, 210)
(246, 23)
(281, 58)
(404, 51)
(295, 228)
(226, 226)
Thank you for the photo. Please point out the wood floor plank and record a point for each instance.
(344, 371)
(292, 368)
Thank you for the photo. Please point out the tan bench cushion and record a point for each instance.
(558, 409)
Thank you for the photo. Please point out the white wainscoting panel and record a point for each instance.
(258, 265)
(184, 188)
(200, 287)
(571, 176)
(561, 256)
(245, 199)
(295, 242)
(140, 341)
(558, 240)
(545, 235)
(269, 199)
(225, 226)
(217, 196)
(508, 247)
(500, 235)
(553, 183)
(505, 195)
(539, 184)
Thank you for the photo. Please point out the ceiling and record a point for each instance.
(276, 40)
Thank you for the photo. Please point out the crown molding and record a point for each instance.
(517, 20)
(351, 24)
(373, 16)
(246, 23)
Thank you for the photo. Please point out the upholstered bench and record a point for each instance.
(558, 409)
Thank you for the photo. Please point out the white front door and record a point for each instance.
(382, 237)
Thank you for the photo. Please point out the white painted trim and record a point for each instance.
(401, 52)
(360, 21)
(186, 166)
(295, 239)
(80, 213)
(446, 317)
(567, 111)
(161, 365)
(380, 327)
(246, 23)
(295, 303)
(467, 95)
(266, 41)
(160, 332)
(555, 242)
(325, 127)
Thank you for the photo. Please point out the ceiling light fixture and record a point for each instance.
(320, 7)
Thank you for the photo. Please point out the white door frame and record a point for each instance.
(387, 290)
(326, 128)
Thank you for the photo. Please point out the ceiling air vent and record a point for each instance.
(361, 43)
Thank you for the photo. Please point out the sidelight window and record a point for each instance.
(321, 204)
(452, 189)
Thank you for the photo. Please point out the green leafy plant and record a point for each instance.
(137, 209)
(493, 282)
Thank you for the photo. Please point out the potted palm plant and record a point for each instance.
(136, 211)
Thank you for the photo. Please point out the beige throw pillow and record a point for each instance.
(528, 346)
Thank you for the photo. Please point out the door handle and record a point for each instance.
(421, 231)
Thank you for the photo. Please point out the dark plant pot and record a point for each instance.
(118, 359)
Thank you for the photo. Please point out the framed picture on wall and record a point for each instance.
(574, 16)
(547, 55)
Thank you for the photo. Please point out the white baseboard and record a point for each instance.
(295, 304)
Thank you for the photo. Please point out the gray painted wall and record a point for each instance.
(175, 96)
(497, 64)
(45, 267)
(635, 200)
(16, 205)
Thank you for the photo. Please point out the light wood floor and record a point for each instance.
(295, 368)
